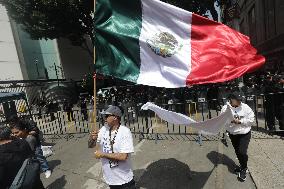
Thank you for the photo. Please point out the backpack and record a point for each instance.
(28, 175)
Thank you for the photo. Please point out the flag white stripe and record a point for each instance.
(155, 70)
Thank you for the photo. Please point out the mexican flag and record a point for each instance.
(154, 43)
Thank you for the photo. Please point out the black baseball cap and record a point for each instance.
(235, 95)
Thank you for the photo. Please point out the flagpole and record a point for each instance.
(95, 86)
(95, 100)
(91, 142)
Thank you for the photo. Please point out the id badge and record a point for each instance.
(113, 164)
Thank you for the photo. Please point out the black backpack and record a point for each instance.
(28, 176)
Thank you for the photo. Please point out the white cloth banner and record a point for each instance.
(209, 127)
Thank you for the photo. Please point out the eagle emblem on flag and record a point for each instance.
(164, 44)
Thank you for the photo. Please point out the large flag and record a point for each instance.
(209, 127)
(154, 43)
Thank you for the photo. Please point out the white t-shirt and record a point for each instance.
(123, 143)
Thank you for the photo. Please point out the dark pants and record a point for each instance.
(70, 115)
(274, 107)
(52, 116)
(43, 162)
(85, 114)
(38, 184)
(130, 185)
(240, 143)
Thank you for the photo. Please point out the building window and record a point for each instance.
(252, 25)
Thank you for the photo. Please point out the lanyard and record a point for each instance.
(113, 140)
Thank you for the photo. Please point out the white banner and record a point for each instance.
(209, 127)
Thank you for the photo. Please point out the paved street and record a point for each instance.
(178, 163)
(266, 162)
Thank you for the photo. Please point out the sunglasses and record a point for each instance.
(108, 115)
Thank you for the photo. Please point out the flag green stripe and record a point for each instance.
(117, 29)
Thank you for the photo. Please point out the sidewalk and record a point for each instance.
(266, 162)
(177, 164)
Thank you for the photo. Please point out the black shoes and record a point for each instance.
(237, 170)
(242, 175)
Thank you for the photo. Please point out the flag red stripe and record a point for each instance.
(219, 53)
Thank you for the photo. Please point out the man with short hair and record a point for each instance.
(116, 146)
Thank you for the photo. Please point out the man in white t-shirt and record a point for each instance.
(116, 145)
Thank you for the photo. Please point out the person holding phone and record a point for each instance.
(240, 131)
(115, 148)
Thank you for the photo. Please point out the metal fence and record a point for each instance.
(145, 124)
(59, 122)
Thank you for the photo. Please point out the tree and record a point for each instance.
(53, 19)
(200, 7)
(73, 19)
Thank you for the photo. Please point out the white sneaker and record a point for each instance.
(47, 173)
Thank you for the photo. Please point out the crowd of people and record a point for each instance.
(130, 98)
(83, 105)
(269, 87)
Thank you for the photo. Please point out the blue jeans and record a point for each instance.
(43, 162)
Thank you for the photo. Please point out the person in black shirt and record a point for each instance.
(274, 102)
(12, 155)
(70, 112)
(27, 129)
(84, 111)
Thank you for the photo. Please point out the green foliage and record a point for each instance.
(51, 19)
(197, 6)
